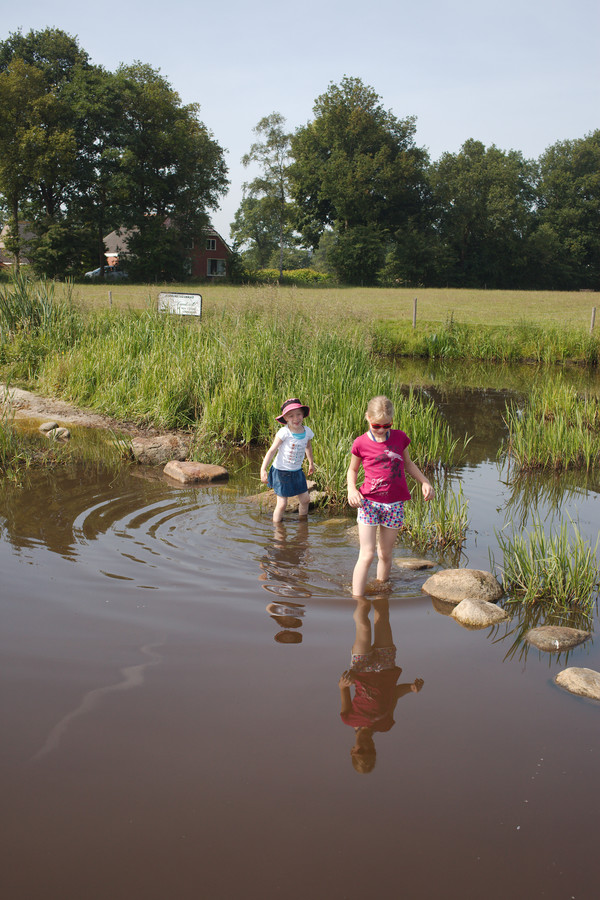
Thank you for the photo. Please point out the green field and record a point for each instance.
(570, 309)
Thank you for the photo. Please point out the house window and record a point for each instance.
(189, 244)
(211, 243)
(216, 267)
(187, 266)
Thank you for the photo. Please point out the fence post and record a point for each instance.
(593, 322)
(110, 298)
(415, 313)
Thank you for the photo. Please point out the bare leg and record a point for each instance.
(303, 502)
(279, 508)
(385, 545)
(367, 535)
(362, 643)
(382, 629)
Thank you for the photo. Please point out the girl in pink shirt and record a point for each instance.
(383, 453)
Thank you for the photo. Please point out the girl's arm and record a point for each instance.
(269, 455)
(354, 496)
(309, 456)
(413, 470)
(345, 696)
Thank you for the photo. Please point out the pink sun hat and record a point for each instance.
(288, 405)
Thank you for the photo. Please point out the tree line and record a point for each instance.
(352, 193)
(84, 151)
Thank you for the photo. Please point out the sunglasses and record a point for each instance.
(385, 427)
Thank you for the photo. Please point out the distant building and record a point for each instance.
(206, 256)
(7, 260)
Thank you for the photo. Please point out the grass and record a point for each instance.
(555, 428)
(552, 569)
(439, 524)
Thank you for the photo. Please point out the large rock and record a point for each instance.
(455, 585)
(583, 682)
(554, 638)
(478, 613)
(157, 450)
(194, 472)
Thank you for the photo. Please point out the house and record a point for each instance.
(7, 260)
(206, 256)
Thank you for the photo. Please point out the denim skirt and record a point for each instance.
(287, 484)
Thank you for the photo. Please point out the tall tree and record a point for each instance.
(484, 201)
(270, 188)
(171, 170)
(569, 212)
(356, 166)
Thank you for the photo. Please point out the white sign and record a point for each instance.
(180, 304)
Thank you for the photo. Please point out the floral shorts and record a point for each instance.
(390, 515)
(376, 660)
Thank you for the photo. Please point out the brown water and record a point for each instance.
(168, 732)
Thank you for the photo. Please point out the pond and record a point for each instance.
(171, 710)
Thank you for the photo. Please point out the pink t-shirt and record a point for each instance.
(383, 463)
(373, 703)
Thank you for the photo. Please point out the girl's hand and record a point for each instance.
(263, 476)
(417, 685)
(428, 490)
(355, 498)
(310, 469)
(346, 679)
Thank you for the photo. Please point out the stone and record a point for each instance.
(156, 450)
(61, 434)
(478, 613)
(267, 499)
(456, 584)
(194, 472)
(554, 638)
(413, 563)
(583, 682)
(45, 427)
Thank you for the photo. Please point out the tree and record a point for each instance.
(484, 200)
(255, 227)
(171, 170)
(569, 213)
(268, 192)
(355, 166)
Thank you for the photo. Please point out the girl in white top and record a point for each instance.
(292, 443)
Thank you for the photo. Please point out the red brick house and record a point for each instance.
(206, 256)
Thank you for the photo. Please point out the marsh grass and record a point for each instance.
(550, 568)
(14, 453)
(555, 428)
(439, 524)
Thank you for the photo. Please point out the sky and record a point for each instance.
(520, 74)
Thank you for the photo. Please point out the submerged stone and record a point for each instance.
(45, 427)
(553, 638)
(194, 472)
(455, 585)
(413, 562)
(478, 613)
(267, 499)
(583, 682)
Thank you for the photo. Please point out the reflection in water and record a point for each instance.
(524, 618)
(374, 674)
(133, 677)
(537, 495)
(282, 574)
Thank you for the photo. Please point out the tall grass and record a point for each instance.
(550, 568)
(440, 523)
(227, 376)
(13, 453)
(556, 428)
(521, 341)
(34, 323)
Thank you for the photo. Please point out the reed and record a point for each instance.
(553, 569)
(438, 524)
(556, 428)
(13, 453)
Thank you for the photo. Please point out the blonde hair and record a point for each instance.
(379, 407)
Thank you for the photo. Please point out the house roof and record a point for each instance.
(117, 241)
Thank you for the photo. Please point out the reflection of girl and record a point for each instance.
(283, 575)
(374, 673)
